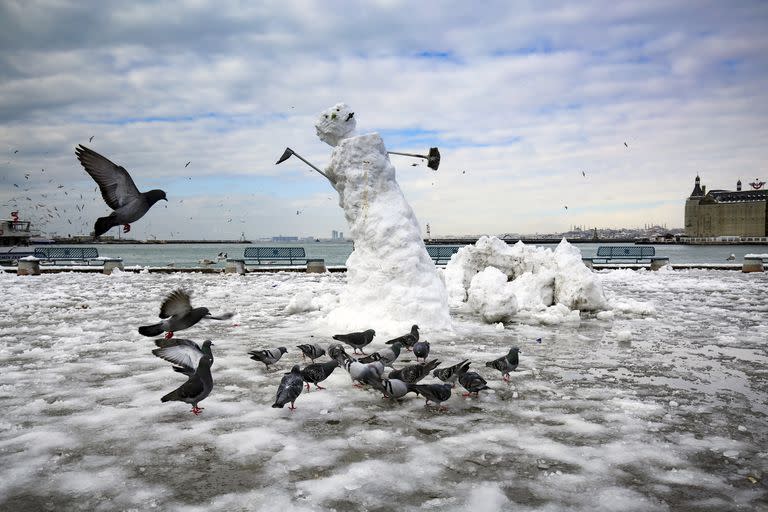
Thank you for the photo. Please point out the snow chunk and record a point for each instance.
(491, 296)
(538, 278)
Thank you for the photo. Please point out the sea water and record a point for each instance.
(336, 253)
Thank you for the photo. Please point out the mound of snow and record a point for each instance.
(499, 281)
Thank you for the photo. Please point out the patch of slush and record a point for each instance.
(654, 407)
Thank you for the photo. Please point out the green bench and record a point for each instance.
(441, 254)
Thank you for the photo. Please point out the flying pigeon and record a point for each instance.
(118, 191)
(356, 340)
(452, 373)
(506, 364)
(387, 356)
(316, 373)
(413, 373)
(311, 351)
(196, 389)
(178, 314)
(473, 383)
(184, 354)
(421, 350)
(268, 357)
(436, 393)
(408, 340)
(394, 388)
(289, 389)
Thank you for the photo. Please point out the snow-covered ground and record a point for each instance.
(660, 403)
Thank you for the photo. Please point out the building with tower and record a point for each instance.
(727, 213)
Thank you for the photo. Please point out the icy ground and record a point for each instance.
(663, 406)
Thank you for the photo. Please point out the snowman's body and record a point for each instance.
(392, 282)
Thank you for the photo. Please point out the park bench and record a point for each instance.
(441, 254)
(71, 255)
(273, 256)
(624, 253)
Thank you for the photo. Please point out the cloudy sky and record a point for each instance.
(520, 97)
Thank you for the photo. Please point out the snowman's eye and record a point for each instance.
(338, 109)
(326, 116)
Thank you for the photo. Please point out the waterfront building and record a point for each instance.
(727, 213)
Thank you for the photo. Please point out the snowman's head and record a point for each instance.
(335, 123)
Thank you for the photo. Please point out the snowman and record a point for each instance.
(392, 282)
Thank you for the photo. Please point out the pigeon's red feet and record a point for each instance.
(291, 407)
(307, 384)
(505, 378)
(318, 386)
(169, 335)
(126, 228)
(466, 394)
(357, 385)
(197, 410)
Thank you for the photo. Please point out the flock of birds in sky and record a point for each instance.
(117, 189)
(195, 361)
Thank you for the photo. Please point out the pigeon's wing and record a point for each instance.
(181, 352)
(313, 373)
(177, 303)
(193, 388)
(117, 187)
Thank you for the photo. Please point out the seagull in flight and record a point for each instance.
(90, 139)
(187, 164)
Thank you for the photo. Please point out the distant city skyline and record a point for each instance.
(608, 109)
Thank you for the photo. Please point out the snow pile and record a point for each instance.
(526, 281)
(306, 301)
(392, 282)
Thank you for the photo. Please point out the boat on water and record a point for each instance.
(15, 235)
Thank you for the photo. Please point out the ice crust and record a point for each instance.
(500, 282)
(391, 280)
(629, 411)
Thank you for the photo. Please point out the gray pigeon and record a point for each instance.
(452, 373)
(386, 356)
(184, 354)
(289, 389)
(506, 364)
(436, 393)
(408, 340)
(197, 387)
(313, 352)
(178, 314)
(413, 373)
(362, 373)
(268, 357)
(118, 190)
(421, 350)
(356, 340)
(473, 383)
(337, 353)
(394, 388)
(316, 373)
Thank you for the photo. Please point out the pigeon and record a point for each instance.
(394, 388)
(311, 351)
(362, 373)
(178, 314)
(184, 354)
(452, 373)
(436, 393)
(197, 387)
(413, 373)
(505, 364)
(118, 190)
(356, 340)
(289, 389)
(387, 356)
(268, 357)
(408, 340)
(421, 350)
(316, 373)
(337, 353)
(473, 383)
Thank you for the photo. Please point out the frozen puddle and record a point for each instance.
(643, 409)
